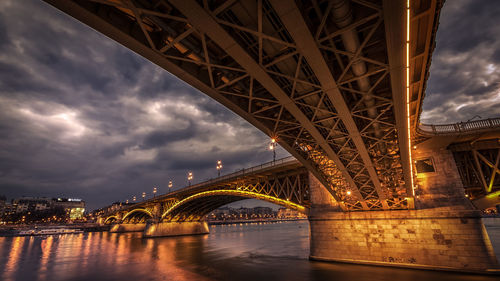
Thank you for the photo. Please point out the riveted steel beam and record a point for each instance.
(292, 19)
(203, 21)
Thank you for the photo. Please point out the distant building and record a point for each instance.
(32, 204)
(3, 202)
(284, 213)
(228, 213)
(74, 208)
(8, 209)
(115, 206)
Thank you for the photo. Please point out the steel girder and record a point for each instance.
(246, 55)
(290, 190)
(286, 187)
(478, 164)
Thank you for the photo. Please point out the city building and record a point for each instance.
(228, 213)
(284, 213)
(32, 204)
(72, 208)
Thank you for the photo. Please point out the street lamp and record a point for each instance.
(143, 196)
(133, 199)
(126, 202)
(219, 167)
(154, 192)
(190, 177)
(170, 186)
(272, 146)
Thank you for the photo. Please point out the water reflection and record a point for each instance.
(260, 251)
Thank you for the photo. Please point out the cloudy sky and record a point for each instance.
(82, 116)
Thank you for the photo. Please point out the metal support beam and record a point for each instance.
(119, 35)
(204, 22)
(394, 17)
(292, 18)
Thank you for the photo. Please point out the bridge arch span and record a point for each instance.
(137, 214)
(196, 206)
(111, 219)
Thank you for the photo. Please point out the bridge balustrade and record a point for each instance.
(462, 127)
(244, 172)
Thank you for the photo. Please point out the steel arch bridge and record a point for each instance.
(284, 182)
(338, 83)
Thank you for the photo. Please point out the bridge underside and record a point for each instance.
(195, 207)
(284, 182)
(326, 78)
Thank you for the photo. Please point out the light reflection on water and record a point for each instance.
(273, 251)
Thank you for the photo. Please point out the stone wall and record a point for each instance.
(444, 186)
(128, 227)
(417, 238)
(175, 229)
(320, 197)
(443, 232)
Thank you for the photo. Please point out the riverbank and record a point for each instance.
(13, 230)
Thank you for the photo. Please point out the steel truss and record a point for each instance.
(479, 166)
(290, 190)
(292, 77)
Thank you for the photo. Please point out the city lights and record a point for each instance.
(190, 177)
(272, 146)
(408, 92)
(219, 167)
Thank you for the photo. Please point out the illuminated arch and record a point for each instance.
(110, 217)
(138, 211)
(238, 193)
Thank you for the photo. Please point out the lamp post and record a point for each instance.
(126, 202)
(219, 167)
(154, 192)
(272, 146)
(190, 177)
(133, 199)
(170, 186)
(143, 196)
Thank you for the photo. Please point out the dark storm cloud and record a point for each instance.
(82, 116)
(465, 71)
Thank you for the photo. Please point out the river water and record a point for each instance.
(253, 252)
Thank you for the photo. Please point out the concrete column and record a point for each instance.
(161, 229)
(127, 227)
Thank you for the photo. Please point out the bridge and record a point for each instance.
(339, 84)
(284, 182)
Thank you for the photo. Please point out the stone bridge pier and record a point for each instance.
(162, 229)
(149, 222)
(158, 228)
(443, 232)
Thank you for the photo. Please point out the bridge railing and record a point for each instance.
(239, 173)
(459, 128)
(243, 172)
